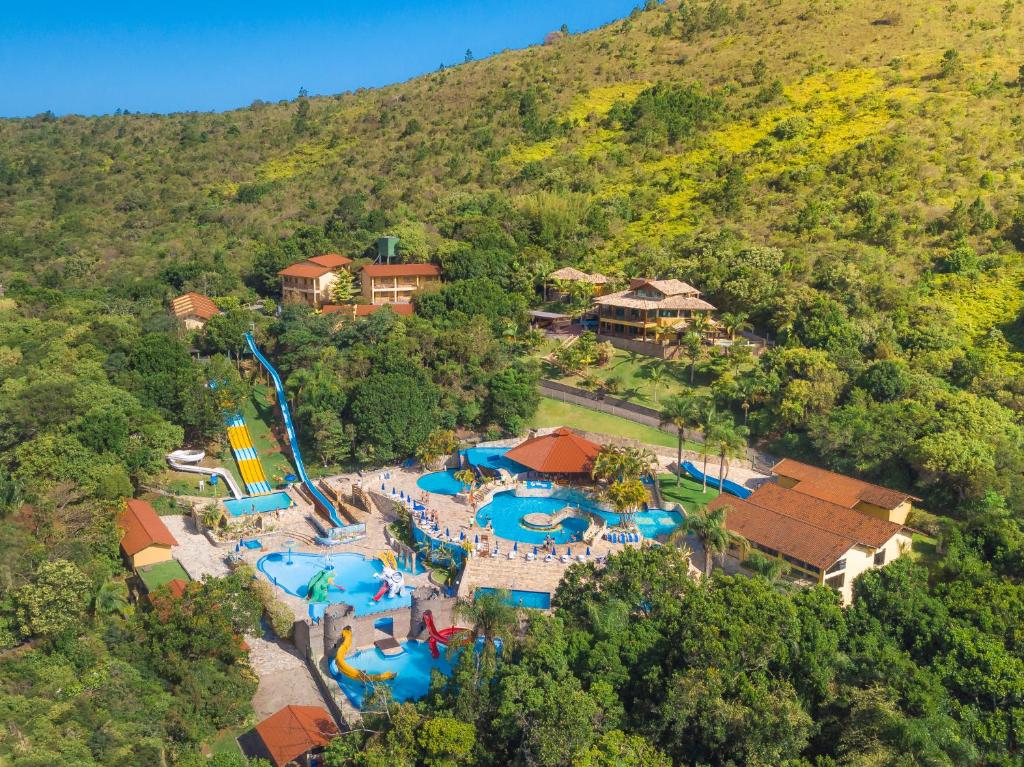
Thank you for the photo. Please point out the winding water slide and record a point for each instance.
(349, 671)
(187, 460)
(282, 400)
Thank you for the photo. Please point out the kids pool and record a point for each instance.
(441, 482)
(412, 672)
(354, 583)
(506, 511)
(257, 504)
(539, 600)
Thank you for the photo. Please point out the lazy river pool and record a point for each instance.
(506, 511)
(412, 672)
(354, 583)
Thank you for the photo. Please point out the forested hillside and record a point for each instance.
(848, 174)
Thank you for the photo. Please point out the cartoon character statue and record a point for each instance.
(392, 579)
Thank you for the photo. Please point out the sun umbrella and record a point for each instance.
(588, 551)
(476, 539)
(568, 550)
(534, 551)
(515, 546)
(382, 488)
(554, 553)
(462, 535)
(447, 533)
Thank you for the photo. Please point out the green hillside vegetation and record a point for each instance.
(848, 175)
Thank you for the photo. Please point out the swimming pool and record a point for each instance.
(353, 573)
(492, 458)
(539, 600)
(412, 672)
(506, 510)
(257, 504)
(441, 482)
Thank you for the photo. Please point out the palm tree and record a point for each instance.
(111, 599)
(609, 464)
(489, 617)
(627, 497)
(467, 477)
(700, 324)
(730, 441)
(709, 418)
(709, 528)
(682, 412)
(693, 348)
(656, 375)
(735, 322)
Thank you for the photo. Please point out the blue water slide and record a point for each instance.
(730, 487)
(282, 401)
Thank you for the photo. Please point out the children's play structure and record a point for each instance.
(282, 400)
(354, 673)
(392, 579)
(188, 460)
(316, 589)
(442, 637)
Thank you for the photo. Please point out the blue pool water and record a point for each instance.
(412, 672)
(540, 600)
(492, 458)
(258, 503)
(441, 482)
(353, 573)
(506, 510)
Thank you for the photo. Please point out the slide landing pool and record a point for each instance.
(412, 672)
(354, 583)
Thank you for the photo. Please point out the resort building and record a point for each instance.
(561, 277)
(193, 310)
(397, 283)
(146, 539)
(295, 735)
(652, 315)
(822, 542)
(309, 282)
(881, 502)
(560, 452)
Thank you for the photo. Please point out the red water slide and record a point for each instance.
(438, 637)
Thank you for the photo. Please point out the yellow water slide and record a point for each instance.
(354, 673)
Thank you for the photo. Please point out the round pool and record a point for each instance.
(506, 512)
(441, 482)
(354, 581)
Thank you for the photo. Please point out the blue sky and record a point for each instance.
(148, 56)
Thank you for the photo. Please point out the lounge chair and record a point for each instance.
(549, 558)
(565, 559)
(511, 555)
(530, 556)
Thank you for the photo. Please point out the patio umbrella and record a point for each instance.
(588, 551)
(568, 550)
(534, 551)
(382, 488)
(462, 535)
(554, 553)
(515, 546)
(447, 534)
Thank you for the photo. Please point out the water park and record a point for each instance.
(372, 565)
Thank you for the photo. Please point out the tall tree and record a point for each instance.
(682, 412)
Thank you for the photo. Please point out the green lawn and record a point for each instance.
(923, 550)
(260, 412)
(633, 372)
(688, 493)
(155, 576)
(554, 413)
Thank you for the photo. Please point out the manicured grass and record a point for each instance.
(554, 413)
(923, 550)
(688, 492)
(226, 741)
(155, 576)
(260, 412)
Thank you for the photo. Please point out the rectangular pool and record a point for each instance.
(537, 600)
(257, 504)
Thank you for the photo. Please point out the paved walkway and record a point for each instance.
(194, 551)
(285, 678)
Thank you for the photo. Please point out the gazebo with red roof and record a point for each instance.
(560, 452)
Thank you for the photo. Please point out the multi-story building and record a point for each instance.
(396, 283)
(309, 282)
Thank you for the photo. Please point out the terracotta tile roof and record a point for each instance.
(570, 274)
(676, 294)
(362, 310)
(402, 270)
(142, 528)
(305, 269)
(560, 452)
(295, 730)
(802, 526)
(838, 488)
(177, 587)
(194, 305)
(330, 260)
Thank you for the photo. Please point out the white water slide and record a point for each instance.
(187, 460)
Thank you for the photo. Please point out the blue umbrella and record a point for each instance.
(568, 551)
(382, 488)
(462, 535)
(447, 533)
(588, 551)
(553, 552)
(290, 478)
(515, 546)
(534, 551)
(476, 539)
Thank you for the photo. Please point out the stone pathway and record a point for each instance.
(285, 678)
(194, 551)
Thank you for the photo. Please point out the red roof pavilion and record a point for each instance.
(560, 452)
